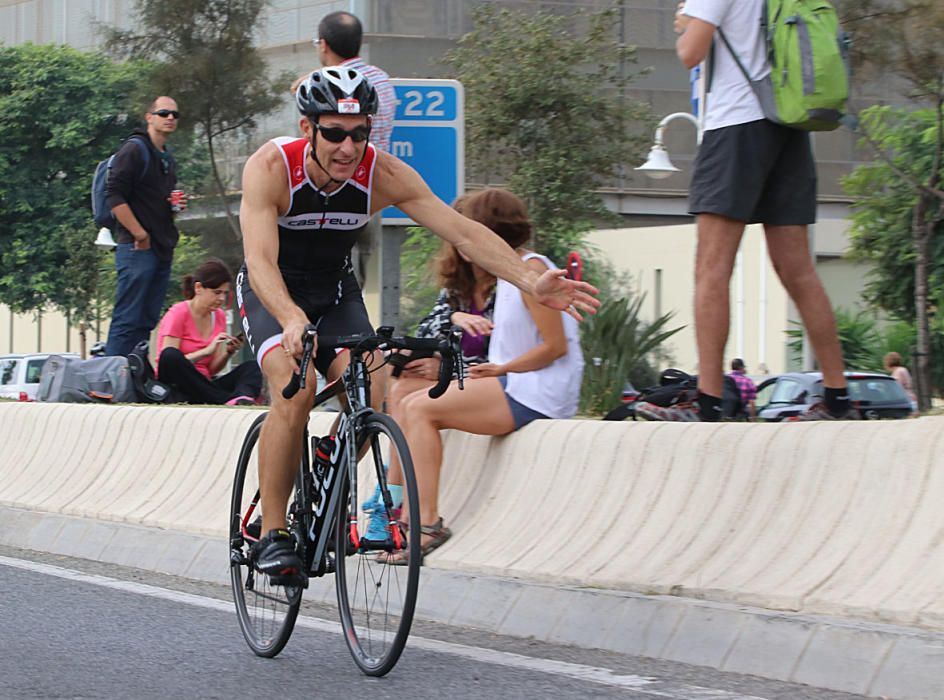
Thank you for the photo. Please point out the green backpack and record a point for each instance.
(808, 85)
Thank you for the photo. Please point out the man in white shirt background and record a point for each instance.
(339, 44)
(748, 170)
(338, 41)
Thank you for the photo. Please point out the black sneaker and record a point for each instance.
(818, 411)
(275, 556)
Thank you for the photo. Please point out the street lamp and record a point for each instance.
(658, 165)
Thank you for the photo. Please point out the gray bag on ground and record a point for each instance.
(98, 380)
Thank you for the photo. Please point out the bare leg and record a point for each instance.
(481, 408)
(718, 241)
(398, 390)
(790, 255)
(280, 441)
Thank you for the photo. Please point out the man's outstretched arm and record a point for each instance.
(399, 185)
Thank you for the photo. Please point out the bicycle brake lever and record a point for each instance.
(456, 346)
(297, 382)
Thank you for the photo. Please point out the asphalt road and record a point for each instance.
(77, 629)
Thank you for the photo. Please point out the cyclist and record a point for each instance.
(303, 201)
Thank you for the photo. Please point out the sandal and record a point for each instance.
(438, 536)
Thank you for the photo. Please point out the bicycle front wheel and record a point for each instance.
(266, 613)
(377, 583)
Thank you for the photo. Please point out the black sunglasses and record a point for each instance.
(336, 134)
(164, 113)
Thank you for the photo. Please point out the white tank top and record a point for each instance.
(553, 390)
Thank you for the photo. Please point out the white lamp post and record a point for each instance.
(658, 165)
(105, 239)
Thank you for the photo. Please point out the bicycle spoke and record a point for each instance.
(266, 613)
(377, 597)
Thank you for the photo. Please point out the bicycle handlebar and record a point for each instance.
(449, 351)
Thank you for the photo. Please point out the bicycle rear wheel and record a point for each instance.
(376, 598)
(266, 613)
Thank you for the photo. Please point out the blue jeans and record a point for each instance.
(142, 286)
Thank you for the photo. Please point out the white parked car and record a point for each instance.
(19, 374)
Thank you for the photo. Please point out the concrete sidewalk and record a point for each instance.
(874, 659)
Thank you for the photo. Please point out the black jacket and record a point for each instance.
(146, 192)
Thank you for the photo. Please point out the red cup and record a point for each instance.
(176, 200)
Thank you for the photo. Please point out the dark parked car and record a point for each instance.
(874, 395)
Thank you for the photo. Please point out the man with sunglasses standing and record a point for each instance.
(303, 201)
(142, 176)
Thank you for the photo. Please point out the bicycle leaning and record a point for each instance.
(333, 498)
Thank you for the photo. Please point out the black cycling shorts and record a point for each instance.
(758, 172)
(335, 309)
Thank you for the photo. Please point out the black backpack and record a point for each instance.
(148, 388)
(101, 214)
(676, 386)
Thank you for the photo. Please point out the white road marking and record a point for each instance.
(645, 685)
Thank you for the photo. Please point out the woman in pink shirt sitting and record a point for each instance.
(193, 345)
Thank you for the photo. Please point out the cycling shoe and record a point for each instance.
(275, 556)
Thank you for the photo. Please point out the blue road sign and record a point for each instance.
(429, 135)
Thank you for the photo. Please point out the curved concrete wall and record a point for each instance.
(835, 518)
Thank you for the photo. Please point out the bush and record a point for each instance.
(616, 345)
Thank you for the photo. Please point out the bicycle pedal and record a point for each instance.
(237, 558)
(296, 580)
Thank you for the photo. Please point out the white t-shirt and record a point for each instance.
(553, 390)
(731, 100)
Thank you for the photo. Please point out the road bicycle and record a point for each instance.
(332, 494)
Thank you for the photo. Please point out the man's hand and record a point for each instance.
(292, 340)
(555, 291)
(471, 323)
(180, 203)
(142, 242)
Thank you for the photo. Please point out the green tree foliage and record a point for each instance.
(418, 285)
(546, 110)
(61, 111)
(862, 343)
(883, 210)
(208, 62)
(902, 38)
(616, 342)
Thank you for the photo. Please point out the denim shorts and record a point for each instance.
(521, 414)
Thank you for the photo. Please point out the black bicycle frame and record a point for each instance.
(320, 498)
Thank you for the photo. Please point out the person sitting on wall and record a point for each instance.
(534, 370)
(193, 345)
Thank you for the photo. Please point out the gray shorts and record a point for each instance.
(521, 414)
(758, 172)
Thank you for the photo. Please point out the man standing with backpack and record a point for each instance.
(753, 168)
(141, 178)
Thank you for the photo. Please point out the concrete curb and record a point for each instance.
(874, 659)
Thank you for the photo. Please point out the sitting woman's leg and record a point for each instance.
(175, 369)
(397, 391)
(244, 380)
(481, 408)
